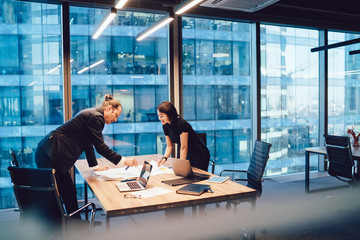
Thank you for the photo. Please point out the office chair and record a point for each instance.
(341, 163)
(256, 168)
(38, 198)
(13, 162)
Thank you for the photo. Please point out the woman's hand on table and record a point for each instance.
(161, 162)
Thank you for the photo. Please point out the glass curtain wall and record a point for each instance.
(217, 86)
(134, 72)
(289, 96)
(30, 83)
(343, 85)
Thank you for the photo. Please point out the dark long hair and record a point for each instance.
(169, 109)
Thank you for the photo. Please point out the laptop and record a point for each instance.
(183, 169)
(140, 183)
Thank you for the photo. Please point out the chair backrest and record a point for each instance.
(14, 162)
(37, 194)
(257, 165)
(341, 163)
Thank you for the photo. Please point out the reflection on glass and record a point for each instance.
(133, 72)
(343, 86)
(30, 96)
(289, 96)
(216, 76)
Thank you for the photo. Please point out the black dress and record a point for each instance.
(62, 147)
(198, 154)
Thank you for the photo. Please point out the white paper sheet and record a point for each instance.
(117, 173)
(160, 170)
(152, 192)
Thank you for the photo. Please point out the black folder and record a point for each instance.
(181, 181)
(193, 189)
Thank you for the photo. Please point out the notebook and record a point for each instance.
(183, 169)
(194, 189)
(138, 184)
(217, 179)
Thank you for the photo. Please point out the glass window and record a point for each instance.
(343, 85)
(31, 89)
(133, 72)
(216, 91)
(289, 96)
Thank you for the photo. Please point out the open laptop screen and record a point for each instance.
(145, 173)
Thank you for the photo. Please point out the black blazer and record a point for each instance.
(83, 132)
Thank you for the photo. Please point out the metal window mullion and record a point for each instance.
(323, 94)
(175, 68)
(66, 61)
(256, 81)
(65, 26)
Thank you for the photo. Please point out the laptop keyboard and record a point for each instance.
(133, 185)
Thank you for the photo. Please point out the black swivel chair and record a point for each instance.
(14, 162)
(38, 198)
(341, 163)
(256, 168)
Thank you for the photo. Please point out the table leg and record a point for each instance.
(107, 224)
(86, 200)
(194, 211)
(307, 171)
(252, 230)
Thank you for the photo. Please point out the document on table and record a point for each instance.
(160, 170)
(117, 174)
(152, 192)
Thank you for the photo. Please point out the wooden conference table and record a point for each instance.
(114, 204)
(322, 151)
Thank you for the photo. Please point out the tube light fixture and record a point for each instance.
(120, 4)
(106, 21)
(58, 66)
(91, 66)
(186, 5)
(162, 22)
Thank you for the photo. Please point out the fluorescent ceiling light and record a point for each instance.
(83, 70)
(153, 28)
(97, 63)
(91, 66)
(120, 4)
(57, 67)
(105, 23)
(186, 5)
(219, 55)
(31, 83)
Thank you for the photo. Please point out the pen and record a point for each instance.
(126, 168)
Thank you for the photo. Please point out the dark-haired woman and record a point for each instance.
(63, 146)
(179, 131)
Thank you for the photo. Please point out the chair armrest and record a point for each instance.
(240, 179)
(249, 180)
(93, 209)
(212, 166)
(232, 171)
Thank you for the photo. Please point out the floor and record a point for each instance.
(284, 211)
